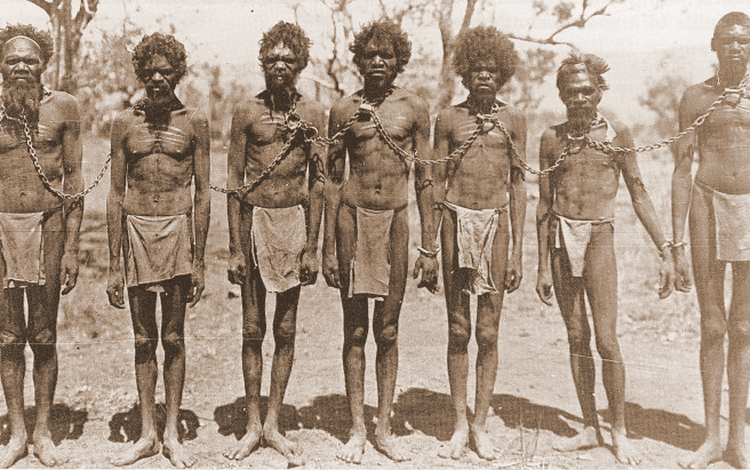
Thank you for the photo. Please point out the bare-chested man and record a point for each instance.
(160, 153)
(575, 224)
(719, 233)
(38, 230)
(365, 250)
(483, 185)
(273, 228)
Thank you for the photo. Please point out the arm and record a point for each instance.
(682, 182)
(334, 182)
(644, 209)
(314, 210)
(118, 170)
(201, 204)
(72, 183)
(424, 186)
(543, 214)
(236, 178)
(517, 193)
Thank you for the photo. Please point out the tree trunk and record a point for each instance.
(446, 81)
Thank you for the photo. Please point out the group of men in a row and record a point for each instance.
(470, 185)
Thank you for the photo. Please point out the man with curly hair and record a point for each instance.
(38, 230)
(273, 227)
(474, 193)
(365, 250)
(160, 154)
(575, 227)
(716, 204)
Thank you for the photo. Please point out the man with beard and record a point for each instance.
(719, 232)
(365, 250)
(158, 149)
(575, 224)
(38, 230)
(274, 223)
(475, 192)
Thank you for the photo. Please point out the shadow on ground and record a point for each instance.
(659, 425)
(126, 427)
(330, 413)
(64, 423)
(232, 418)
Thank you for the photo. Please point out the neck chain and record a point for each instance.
(741, 86)
(379, 99)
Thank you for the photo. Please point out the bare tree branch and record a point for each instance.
(47, 6)
(578, 23)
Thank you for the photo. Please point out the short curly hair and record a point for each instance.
(595, 66)
(728, 20)
(292, 36)
(42, 38)
(484, 43)
(163, 44)
(386, 31)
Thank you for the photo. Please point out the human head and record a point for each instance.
(580, 85)
(726, 22)
(484, 45)
(731, 42)
(165, 45)
(383, 33)
(284, 53)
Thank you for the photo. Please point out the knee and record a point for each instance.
(356, 337)
(458, 337)
(739, 331)
(285, 335)
(713, 328)
(145, 348)
(579, 338)
(253, 333)
(173, 343)
(387, 334)
(608, 348)
(9, 339)
(43, 342)
(487, 338)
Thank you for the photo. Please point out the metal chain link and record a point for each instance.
(37, 165)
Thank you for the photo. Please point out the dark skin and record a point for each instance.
(485, 179)
(255, 143)
(154, 170)
(581, 190)
(378, 180)
(724, 168)
(58, 146)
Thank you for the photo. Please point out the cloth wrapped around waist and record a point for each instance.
(278, 238)
(22, 248)
(575, 235)
(732, 215)
(475, 235)
(160, 248)
(371, 263)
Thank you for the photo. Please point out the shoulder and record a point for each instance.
(346, 106)
(699, 90)
(314, 109)
(197, 118)
(60, 101)
(414, 100)
(549, 137)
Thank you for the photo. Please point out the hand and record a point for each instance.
(68, 272)
(544, 287)
(237, 269)
(197, 284)
(682, 282)
(116, 288)
(308, 267)
(331, 270)
(513, 275)
(666, 274)
(429, 267)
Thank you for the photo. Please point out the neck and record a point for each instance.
(731, 77)
(580, 124)
(481, 104)
(282, 99)
(376, 93)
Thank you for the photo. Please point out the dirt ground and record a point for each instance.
(534, 402)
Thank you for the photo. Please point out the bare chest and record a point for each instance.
(146, 139)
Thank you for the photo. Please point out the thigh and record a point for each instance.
(456, 300)
(708, 272)
(489, 306)
(285, 317)
(346, 237)
(173, 303)
(739, 312)
(387, 312)
(600, 277)
(569, 291)
(252, 290)
(12, 318)
(43, 300)
(143, 312)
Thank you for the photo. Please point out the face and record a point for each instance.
(732, 46)
(280, 67)
(161, 78)
(21, 62)
(581, 96)
(483, 79)
(378, 64)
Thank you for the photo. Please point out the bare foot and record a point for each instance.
(353, 450)
(284, 446)
(14, 451)
(586, 439)
(735, 457)
(386, 443)
(46, 452)
(624, 449)
(708, 453)
(177, 454)
(483, 443)
(455, 448)
(247, 444)
(144, 447)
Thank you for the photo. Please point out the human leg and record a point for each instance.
(385, 330)
(284, 331)
(173, 301)
(143, 314)
(459, 334)
(12, 371)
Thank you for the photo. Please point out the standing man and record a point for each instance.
(160, 153)
(365, 250)
(38, 229)
(719, 232)
(575, 224)
(274, 223)
(477, 190)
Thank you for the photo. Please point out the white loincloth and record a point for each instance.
(278, 237)
(575, 235)
(160, 248)
(22, 248)
(371, 267)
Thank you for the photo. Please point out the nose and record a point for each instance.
(157, 77)
(378, 60)
(484, 76)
